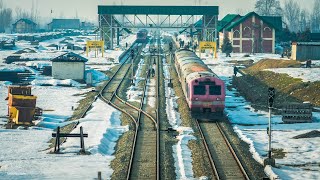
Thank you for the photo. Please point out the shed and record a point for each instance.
(303, 51)
(69, 66)
(64, 24)
(24, 26)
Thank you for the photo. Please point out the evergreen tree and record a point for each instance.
(227, 46)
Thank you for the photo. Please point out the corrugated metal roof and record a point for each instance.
(70, 57)
(160, 10)
(271, 21)
(226, 20)
(28, 21)
(229, 17)
(307, 43)
(276, 21)
(65, 23)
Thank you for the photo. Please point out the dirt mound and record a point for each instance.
(272, 63)
(311, 134)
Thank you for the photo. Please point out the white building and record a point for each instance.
(69, 66)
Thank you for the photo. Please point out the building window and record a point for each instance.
(247, 32)
(267, 29)
(236, 34)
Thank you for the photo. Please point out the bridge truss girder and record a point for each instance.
(111, 25)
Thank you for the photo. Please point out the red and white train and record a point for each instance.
(203, 89)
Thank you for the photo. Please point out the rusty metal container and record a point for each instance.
(19, 90)
(24, 116)
(21, 105)
(22, 100)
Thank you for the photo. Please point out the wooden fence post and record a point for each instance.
(58, 139)
(81, 140)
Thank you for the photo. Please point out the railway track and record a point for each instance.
(145, 159)
(101, 92)
(223, 159)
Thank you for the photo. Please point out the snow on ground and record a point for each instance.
(306, 74)
(134, 92)
(55, 101)
(12, 68)
(301, 158)
(45, 55)
(239, 57)
(129, 40)
(97, 76)
(30, 160)
(181, 151)
(49, 81)
(38, 64)
(151, 93)
(171, 100)
(4, 54)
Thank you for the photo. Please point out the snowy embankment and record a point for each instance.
(134, 92)
(30, 160)
(301, 156)
(306, 74)
(111, 57)
(129, 40)
(181, 151)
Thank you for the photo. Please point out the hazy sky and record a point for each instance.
(87, 9)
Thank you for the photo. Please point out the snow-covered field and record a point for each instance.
(24, 154)
(31, 160)
(301, 160)
(181, 151)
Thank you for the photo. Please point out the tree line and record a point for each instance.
(7, 17)
(295, 18)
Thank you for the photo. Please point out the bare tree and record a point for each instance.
(22, 14)
(315, 17)
(268, 7)
(5, 17)
(304, 20)
(242, 11)
(291, 14)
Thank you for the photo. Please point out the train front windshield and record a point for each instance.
(214, 90)
(199, 90)
(202, 90)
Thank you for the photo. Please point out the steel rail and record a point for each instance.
(212, 164)
(233, 152)
(140, 111)
(95, 99)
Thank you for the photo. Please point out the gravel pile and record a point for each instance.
(311, 134)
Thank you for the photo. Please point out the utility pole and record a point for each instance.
(170, 54)
(270, 160)
(132, 76)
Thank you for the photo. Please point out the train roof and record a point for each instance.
(192, 66)
(196, 75)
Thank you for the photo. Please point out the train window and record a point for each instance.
(215, 90)
(199, 90)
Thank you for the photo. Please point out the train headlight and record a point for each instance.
(218, 99)
(197, 99)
